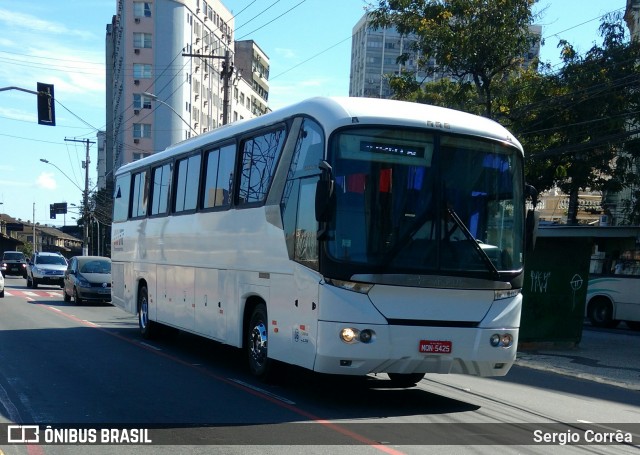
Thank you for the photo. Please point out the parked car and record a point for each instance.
(88, 278)
(14, 263)
(1, 285)
(46, 268)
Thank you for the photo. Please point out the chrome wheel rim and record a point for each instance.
(144, 313)
(258, 344)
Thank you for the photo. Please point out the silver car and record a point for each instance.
(88, 278)
(46, 268)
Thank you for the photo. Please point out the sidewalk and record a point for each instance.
(604, 356)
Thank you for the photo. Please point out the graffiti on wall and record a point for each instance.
(540, 281)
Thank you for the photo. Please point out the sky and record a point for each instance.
(308, 43)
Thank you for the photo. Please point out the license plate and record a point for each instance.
(435, 347)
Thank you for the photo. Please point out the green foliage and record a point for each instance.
(26, 248)
(578, 125)
(479, 41)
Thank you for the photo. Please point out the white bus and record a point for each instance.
(343, 235)
(613, 294)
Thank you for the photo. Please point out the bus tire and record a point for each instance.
(257, 333)
(147, 326)
(405, 380)
(601, 313)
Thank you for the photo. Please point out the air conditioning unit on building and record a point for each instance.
(136, 141)
(136, 111)
(137, 20)
(136, 82)
(136, 51)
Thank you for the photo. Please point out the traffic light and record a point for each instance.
(46, 105)
(52, 212)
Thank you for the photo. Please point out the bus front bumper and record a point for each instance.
(411, 349)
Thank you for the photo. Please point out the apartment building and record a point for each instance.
(172, 74)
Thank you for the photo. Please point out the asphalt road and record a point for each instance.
(86, 367)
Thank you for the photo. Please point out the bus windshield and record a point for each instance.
(410, 201)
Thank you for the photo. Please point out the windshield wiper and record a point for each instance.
(485, 258)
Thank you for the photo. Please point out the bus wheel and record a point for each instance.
(147, 327)
(405, 380)
(257, 342)
(601, 313)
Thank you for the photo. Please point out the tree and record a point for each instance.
(580, 125)
(476, 42)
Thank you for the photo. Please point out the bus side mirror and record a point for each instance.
(532, 219)
(531, 229)
(324, 193)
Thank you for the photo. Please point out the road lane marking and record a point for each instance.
(260, 393)
(150, 346)
(263, 391)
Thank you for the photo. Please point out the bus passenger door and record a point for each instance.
(304, 310)
(209, 308)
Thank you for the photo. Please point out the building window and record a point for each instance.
(141, 71)
(142, 40)
(139, 156)
(141, 9)
(141, 130)
(141, 101)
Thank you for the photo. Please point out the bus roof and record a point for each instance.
(336, 112)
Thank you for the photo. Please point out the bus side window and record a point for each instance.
(160, 189)
(219, 177)
(260, 156)
(187, 182)
(299, 224)
(140, 195)
(121, 197)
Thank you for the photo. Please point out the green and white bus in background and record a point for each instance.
(343, 235)
(613, 294)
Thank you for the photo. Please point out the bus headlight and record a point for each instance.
(504, 340)
(350, 335)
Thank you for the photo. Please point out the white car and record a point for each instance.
(46, 268)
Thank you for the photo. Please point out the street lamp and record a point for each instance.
(155, 98)
(68, 178)
(85, 197)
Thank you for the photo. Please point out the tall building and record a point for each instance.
(374, 57)
(252, 65)
(632, 17)
(170, 69)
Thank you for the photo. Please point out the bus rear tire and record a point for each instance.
(147, 326)
(405, 380)
(257, 333)
(601, 313)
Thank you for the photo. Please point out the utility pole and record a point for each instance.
(85, 198)
(225, 74)
(35, 241)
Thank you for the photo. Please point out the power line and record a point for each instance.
(273, 20)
